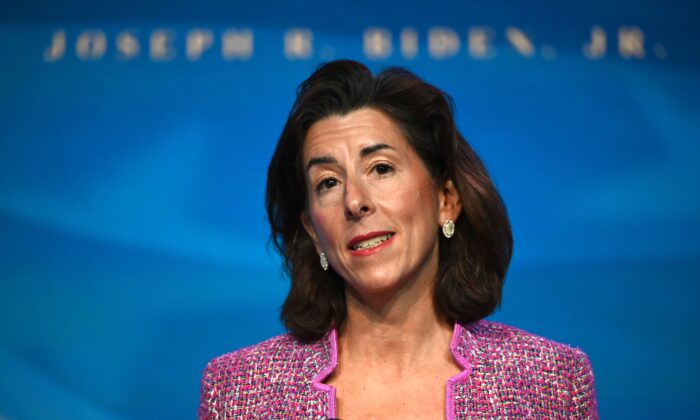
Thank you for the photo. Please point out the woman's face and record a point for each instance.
(373, 208)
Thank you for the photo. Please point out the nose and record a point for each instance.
(358, 201)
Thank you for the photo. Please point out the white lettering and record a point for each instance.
(597, 46)
(479, 40)
(520, 41)
(409, 43)
(237, 44)
(377, 43)
(630, 42)
(298, 44)
(198, 41)
(91, 45)
(161, 48)
(442, 43)
(128, 46)
(57, 48)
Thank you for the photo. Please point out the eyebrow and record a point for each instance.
(366, 151)
(373, 149)
(320, 161)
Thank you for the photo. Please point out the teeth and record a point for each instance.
(369, 243)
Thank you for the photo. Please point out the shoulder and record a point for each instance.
(260, 363)
(258, 356)
(534, 367)
(489, 336)
(273, 377)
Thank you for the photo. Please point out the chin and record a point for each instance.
(377, 284)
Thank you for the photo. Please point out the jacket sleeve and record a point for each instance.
(208, 395)
(583, 396)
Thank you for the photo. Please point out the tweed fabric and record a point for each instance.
(515, 374)
(272, 379)
(506, 373)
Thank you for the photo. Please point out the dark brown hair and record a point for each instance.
(472, 264)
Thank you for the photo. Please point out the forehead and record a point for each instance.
(355, 130)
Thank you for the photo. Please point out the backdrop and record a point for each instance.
(135, 138)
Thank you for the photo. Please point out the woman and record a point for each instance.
(397, 245)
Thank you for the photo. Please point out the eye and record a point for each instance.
(382, 169)
(326, 184)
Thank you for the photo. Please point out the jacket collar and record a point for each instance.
(324, 360)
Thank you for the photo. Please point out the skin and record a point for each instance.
(363, 176)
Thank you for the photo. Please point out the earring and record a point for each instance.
(324, 261)
(448, 228)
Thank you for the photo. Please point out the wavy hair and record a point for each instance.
(472, 264)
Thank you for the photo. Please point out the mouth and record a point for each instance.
(370, 241)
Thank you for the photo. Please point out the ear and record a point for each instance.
(309, 228)
(450, 202)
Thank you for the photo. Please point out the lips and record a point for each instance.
(369, 243)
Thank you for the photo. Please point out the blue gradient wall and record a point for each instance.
(135, 138)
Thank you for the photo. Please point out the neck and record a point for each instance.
(400, 328)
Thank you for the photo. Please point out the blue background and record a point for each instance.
(133, 241)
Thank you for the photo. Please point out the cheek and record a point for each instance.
(323, 225)
(418, 201)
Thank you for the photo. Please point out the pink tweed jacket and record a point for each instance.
(506, 372)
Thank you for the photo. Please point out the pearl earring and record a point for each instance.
(448, 228)
(324, 261)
